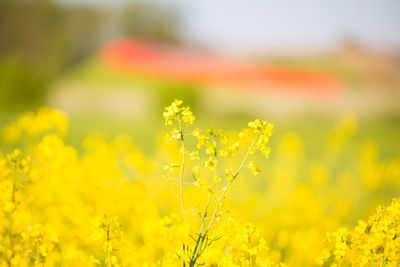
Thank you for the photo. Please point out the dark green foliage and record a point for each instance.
(21, 85)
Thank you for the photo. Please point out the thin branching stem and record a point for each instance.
(195, 253)
(226, 189)
(199, 249)
(182, 171)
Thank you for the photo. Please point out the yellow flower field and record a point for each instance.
(207, 197)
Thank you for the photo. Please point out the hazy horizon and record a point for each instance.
(243, 26)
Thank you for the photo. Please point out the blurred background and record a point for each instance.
(113, 65)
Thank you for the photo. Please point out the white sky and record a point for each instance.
(287, 25)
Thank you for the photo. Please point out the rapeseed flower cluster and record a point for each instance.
(107, 204)
(214, 177)
(33, 125)
(371, 243)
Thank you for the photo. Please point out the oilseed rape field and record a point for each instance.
(206, 197)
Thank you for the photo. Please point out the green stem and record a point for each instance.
(200, 240)
(182, 171)
(108, 246)
(222, 196)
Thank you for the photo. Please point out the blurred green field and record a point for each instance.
(144, 127)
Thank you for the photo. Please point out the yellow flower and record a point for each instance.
(170, 167)
(194, 155)
(254, 168)
(18, 161)
(210, 163)
(171, 112)
(216, 178)
(196, 132)
(8, 206)
(229, 174)
(175, 112)
(187, 116)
